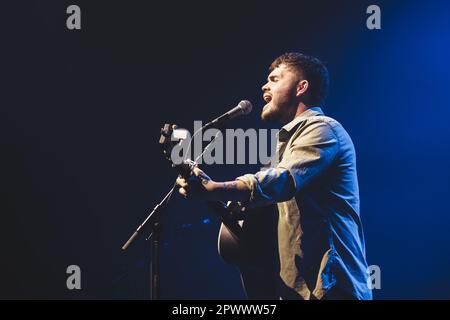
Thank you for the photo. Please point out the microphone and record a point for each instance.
(244, 107)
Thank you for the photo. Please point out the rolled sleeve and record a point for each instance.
(269, 186)
(312, 150)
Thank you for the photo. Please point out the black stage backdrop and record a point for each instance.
(81, 112)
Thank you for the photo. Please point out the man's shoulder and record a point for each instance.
(323, 122)
(325, 119)
(324, 125)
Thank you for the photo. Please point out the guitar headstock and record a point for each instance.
(170, 137)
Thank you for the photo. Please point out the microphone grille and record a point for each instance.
(246, 106)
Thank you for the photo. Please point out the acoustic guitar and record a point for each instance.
(247, 238)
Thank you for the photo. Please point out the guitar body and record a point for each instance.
(254, 250)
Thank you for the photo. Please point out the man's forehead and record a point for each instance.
(280, 70)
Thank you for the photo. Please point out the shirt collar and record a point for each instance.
(310, 112)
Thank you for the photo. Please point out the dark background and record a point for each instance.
(81, 111)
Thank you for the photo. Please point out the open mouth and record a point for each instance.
(267, 98)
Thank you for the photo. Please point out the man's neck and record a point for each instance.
(300, 109)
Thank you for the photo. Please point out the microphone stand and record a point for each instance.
(155, 234)
(185, 170)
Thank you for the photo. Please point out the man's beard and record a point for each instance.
(270, 113)
(278, 112)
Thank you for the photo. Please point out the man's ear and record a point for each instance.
(302, 87)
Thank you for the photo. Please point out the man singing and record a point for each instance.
(314, 185)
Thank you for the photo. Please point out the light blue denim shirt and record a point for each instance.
(315, 185)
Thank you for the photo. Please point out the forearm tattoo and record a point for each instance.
(229, 185)
(205, 179)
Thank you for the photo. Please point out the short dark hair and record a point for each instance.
(309, 68)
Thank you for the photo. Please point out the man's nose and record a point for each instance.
(265, 87)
